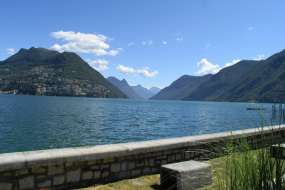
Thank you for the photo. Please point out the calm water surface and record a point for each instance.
(31, 122)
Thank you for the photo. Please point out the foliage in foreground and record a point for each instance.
(243, 169)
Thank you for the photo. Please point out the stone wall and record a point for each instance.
(79, 167)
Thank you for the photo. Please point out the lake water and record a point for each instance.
(33, 122)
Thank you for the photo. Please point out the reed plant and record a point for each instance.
(250, 170)
(246, 169)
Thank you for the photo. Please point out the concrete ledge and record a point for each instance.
(188, 175)
(29, 158)
(99, 164)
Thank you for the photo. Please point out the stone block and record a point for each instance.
(97, 174)
(87, 175)
(162, 162)
(171, 158)
(151, 162)
(123, 175)
(146, 170)
(131, 165)
(53, 170)
(108, 160)
(73, 176)
(139, 163)
(105, 166)
(188, 155)
(58, 180)
(136, 173)
(178, 157)
(69, 164)
(27, 183)
(41, 177)
(187, 175)
(22, 172)
(6, 186)
(38, 170)
(115, 167)
(95, 167)
(105, 174)
(46, 183)
(93, 162)
(124, 166)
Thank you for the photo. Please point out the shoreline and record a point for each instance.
(84, 166)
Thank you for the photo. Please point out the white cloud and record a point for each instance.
(145, 72)
(125, 69)
(100, 64)
(83, 43)
(206, 67)
(147, 43)
(10, 51)
(164, 42)
(250, 28)
(259, 57)
(234, 61)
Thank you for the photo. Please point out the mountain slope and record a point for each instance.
(181, 88)
(259, 81)
(142, 91)
(39, 71)
(124, 87)
(222, 82)
(265, 83)
(154, 90)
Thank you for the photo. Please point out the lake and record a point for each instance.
(34, 122)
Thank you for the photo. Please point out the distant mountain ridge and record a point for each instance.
(133, 92)
(247, 80)
(180, 88)
(143, 92)
(154, 90)
(221, 83)
(124, 87)
(39, 71)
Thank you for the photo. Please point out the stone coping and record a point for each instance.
(186, 166)
(19, 160)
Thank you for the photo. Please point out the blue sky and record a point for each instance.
(147, 42)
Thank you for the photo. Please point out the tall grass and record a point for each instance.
(247, 169)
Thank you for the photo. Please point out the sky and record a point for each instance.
(147, 42)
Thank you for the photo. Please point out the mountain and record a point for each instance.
(257, 81)
(124, 87)
(181, 88)
(154, 90)
(264, 83)
(222, 83)
(143, 92)
(133, 92)
(247, 80)
(39, 71)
